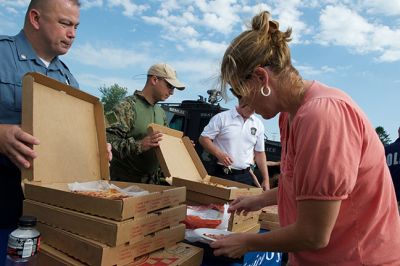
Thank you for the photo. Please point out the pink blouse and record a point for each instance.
(330, 151)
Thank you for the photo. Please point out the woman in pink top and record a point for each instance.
(336, 201)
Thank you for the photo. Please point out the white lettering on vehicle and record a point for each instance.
(392, 159)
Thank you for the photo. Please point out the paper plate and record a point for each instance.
(205, 232)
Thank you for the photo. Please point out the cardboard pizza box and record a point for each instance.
(270, 213)
(109, 232)
(181, 254)
(95, 253)
(51, 256)
(252, 229)
(268, 225)
(188, 170)
(269, 218)
(70, 126)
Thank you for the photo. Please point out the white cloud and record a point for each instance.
(219, 15)
(173, 31)
(10, 11)
(385, 7)
(193, 66)
(18, 4)
(86, 4)
(343, 27)
(254, 9)
(8, 27)
(107, 57)
(156, 21)
(189, 17)
(207, 46)
(310, 71)
(289, 15)
(170, 5)
(130, 8)
(390, 56)
(193, 22)
(91, 83)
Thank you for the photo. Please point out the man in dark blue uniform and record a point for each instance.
(392, 158)
(49, 31)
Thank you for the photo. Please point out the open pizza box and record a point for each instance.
(180, 163)
(70, 126)
(179, 160)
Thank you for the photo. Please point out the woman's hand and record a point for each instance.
(246, 204)
(232, 246)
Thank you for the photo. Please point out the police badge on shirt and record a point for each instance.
(253, 131)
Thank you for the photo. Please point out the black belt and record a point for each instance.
(231, 171)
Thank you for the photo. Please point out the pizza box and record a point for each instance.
(270, 213)
(95, 253)
(188, 170)
(106, 231)
(269, 218)
(240, 223)
(70, 126)
(268, 225)
(51, 256)
(181, 254)
(252, 229)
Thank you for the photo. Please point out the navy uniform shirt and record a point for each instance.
(392, 152)
(17, 57)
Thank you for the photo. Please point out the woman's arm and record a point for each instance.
(311, 231)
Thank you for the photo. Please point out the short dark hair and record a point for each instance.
(41, 3)
(38, 3)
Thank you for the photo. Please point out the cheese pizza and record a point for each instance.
(111, 193)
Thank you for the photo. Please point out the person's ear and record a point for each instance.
(34, 16)
(154, 80)
(261, 75)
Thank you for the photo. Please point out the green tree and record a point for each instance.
(112, 95)
(383, 135)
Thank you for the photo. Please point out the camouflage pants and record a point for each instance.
(156, 178)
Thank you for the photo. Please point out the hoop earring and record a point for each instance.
(265, 94)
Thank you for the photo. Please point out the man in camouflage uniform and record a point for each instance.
(134, 158)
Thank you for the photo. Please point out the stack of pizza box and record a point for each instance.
(181, 254)
(89, 230)
(188, 171)
(269, 219)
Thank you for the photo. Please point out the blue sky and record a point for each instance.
(351, 45)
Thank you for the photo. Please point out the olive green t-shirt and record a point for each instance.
(126, 125)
